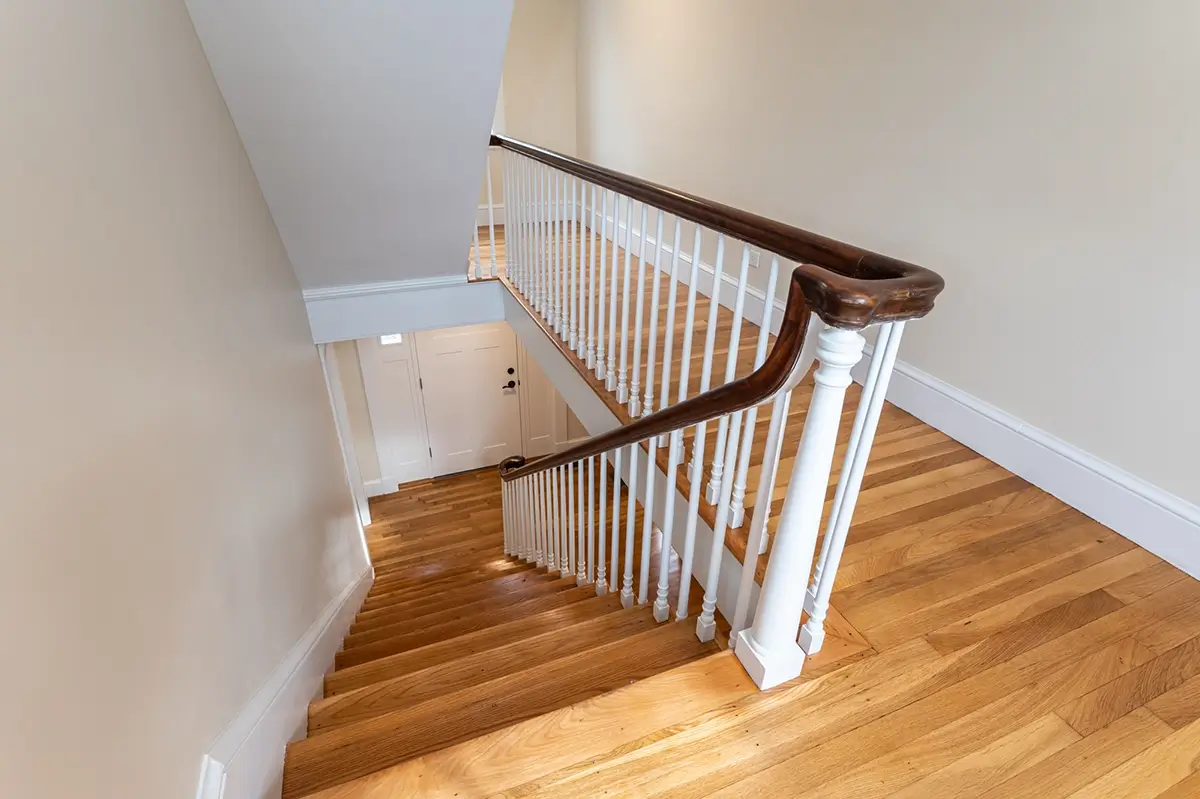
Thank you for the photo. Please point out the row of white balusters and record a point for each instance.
(558, 241)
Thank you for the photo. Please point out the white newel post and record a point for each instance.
(854, 465)
(768, 650)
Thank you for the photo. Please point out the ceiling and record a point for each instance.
(366, 123)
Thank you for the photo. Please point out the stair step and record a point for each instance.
(428, 576)
(418, 686)
(352, 677)
(361, 748)
(389, 622)
(518, 754)
(442, 597)
(400, 643)
(403, 568)
(461, 552)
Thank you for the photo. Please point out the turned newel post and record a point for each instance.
(768, 649)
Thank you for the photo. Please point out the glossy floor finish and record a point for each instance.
(998, 644)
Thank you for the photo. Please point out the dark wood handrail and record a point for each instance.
(750, 390)
(845, 285)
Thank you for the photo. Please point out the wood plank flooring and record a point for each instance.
(1009, 647)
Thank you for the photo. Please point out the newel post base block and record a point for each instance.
(768, 668)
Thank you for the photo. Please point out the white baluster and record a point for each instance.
(600, 286)
(591, 520)
(768, 649)
(560, 263)
(614, 562)
(652, 344)
(507, 199)
(661, 609)
(635, 382)
(706, 626)
(475, 251)
(737, 511)
(540, 199)
(555, 490)
(491, 217)
(622, 385)
(581, 561)
(591, 295)
(567, 542)
(696, 471)
(756, 538)
(664, 393)
(527, 519)
(572, 262)
(572, 529)
(540, 520)
(648, 519)
(713, 490)
(602, 550)
(630, 507)
(578, 211)
(854, 465)
(610, 381)
(504, 509)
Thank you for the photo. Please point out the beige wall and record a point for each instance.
(172, 498)
(539, 73)
(350, 373)
(1041, 156)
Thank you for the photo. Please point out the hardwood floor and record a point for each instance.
(1000, 645)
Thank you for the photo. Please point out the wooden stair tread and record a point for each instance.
(459, 575)
(360, 748)
(438, 598)
(451, 629)
(395, 622)
(413, 687)
(351, 677)
(491, 763)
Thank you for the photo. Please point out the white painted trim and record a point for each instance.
(1145, 514)
(246, 761)
(341, 423)
(755, 297)
(378, 487)
(341, 313)
(385, 287)
(481, 215)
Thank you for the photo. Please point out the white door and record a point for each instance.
(538, 401)
(391, 379)
(472, 408)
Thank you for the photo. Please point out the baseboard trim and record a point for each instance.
(246, 761)
(385, 287)
(377, 488)
(481, 215)
(1145, 514)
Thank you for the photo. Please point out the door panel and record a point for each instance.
(390, 378)
(538, 399)
(472, 416)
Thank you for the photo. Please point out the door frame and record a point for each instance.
(418, 398)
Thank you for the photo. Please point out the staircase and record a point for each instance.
(455, 640)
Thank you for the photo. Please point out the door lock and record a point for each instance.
(509, 384)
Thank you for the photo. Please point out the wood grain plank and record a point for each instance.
(1153, 771)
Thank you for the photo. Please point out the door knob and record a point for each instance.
(509, 384)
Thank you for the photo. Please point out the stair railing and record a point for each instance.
(570, 258)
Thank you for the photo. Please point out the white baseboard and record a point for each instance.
(246, 762)
(1145, 514)
(341, 313)
(481, 215)
(377, 488)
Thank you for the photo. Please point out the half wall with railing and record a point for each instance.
(633, 279)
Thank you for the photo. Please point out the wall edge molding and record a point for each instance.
(384, 287)
(1138, 510)
(246, 760)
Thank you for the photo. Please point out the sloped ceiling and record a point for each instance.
(366, 123)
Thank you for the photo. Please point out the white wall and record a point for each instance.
(366, 122)
(359, 416)
(172, 496)
(1040, 156)
(539, 73)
